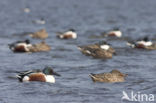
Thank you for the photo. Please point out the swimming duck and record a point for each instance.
(98, 50)
(25, 46)
(39, 21)
(144, 43)
(26, 10)
(41, 34)
(70, 34)
(45, 75)
(40, 47)
(113, 33)
(113, 76)
(20, 46)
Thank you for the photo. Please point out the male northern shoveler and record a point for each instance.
(98, 50)
(39, 21)
(25, 46)
(45, 75)
(70, 34)
(40, 47)
(41, 34)
(144, 43)
(114, 33)
(20, 46)
(113, 76)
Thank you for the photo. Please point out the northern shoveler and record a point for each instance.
(40, 47)
(70, 34)
(20, 46)
(39, 21)
(113, 76)
(144, 43)
(41, 34)
(98, 50)
(113, 33)
(45, 75)
(26, 10)
(25, 46)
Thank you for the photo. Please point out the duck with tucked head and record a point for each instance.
(41, 34)
(144, 43)
(45, 75)
(113, 33)
(20, 46)
(113, 76)
(70, 34)
(25, 46)
(40, 47)
(39, 21)
(98, 50)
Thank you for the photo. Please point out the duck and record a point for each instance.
(20, 46)
(26, 46)
(144, 43)
(70, 34)
(113, 33)
(40, 47)
(45, 75)
(98, 50)
(26, 10)
(40, 34)
(39, 21)
(111, 77)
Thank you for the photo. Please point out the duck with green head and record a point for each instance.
(45, 75)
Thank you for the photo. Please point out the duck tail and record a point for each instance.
(131, 44)
(19, 77)
(92, 77)
(80, 48)
(59, 35)
(104, 34)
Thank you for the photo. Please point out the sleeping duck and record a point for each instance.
(113, 76)
(144, 43)
(41, 34)
(98, 50)
(70, 34)
(43, 46)
(20, 46)
(25, 46)
(113, 33)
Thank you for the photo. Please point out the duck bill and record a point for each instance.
(54, 73)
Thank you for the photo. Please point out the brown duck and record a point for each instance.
(40, 47)
(41, 34)
(98, 50)
(113, 76)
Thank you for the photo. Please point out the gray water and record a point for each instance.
(136, 18)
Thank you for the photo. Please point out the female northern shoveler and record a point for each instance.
(98, 50)
(113, 76)
(25, 46)
(40, 47)
(144, 43)
(115, 32)
(41, 34)
(70, 34)
(45, 75)
(20, 46)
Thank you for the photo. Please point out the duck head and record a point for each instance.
(49, 71)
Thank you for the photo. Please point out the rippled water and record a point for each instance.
(136, 18)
